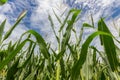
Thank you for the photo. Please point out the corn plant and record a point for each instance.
(35, 59)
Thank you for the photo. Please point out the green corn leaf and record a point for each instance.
(80, 36)
(102, 76)
(62, 65)
(41, 67)
(73, 52)
(75, 14)
(3, 54)
(22, 15)
(11, 47)
(92, 20)
(65, 21)
(12, 71)
(41, 42)
(109, 45)
(99, 29)
(21, 37)
(8, 33)
(67, 34)
(55, 54)
(31, 50)
(2, 29)
(31, 75)
(63, 12)
(95, 51)
(87, 25)
(12, 54)
(57, 17)
(49, 67)
(78, 65)
(27, 60)
(52, 25)
(94, 55)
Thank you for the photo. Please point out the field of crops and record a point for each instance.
(35, 59)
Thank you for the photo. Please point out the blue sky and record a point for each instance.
(38, 10)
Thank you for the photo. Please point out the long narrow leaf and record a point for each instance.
(87, 25)
(57, 17)
(52, 25)
(41, 42)
(2, 29)
(78, 65)
(22, 15)
(65, 21)
(12, 54)
(12, 71)
(109, 45)
(67, 34)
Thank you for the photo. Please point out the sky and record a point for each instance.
(38, 10)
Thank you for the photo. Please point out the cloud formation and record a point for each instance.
(38, 10)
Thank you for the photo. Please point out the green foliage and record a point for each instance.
(16, 23)
(1, 29)
(109, 46)
(2, 2)
(34, 59)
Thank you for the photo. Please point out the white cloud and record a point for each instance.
(39, 18)
(4, 9)
(44, 8)
(7, 8)
(99, 8)
(106, 2)
(39, 15)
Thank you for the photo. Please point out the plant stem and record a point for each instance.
(58, 70)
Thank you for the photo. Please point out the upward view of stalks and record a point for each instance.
(73, 61)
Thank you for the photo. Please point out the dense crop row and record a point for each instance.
(73, 61)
